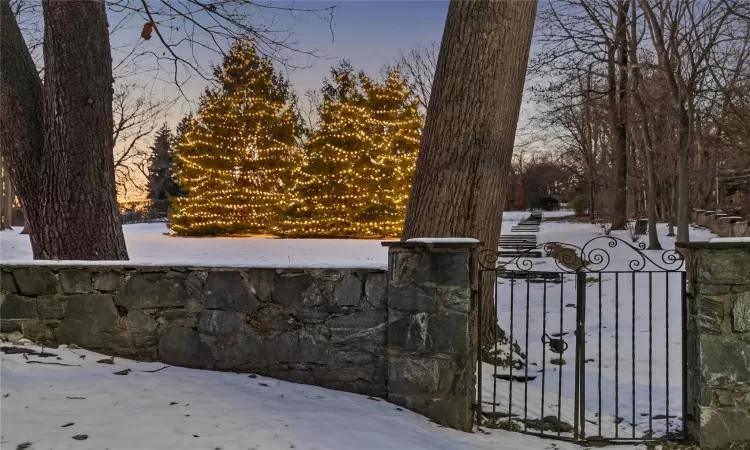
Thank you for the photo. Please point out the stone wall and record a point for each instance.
(432, 342)
(718, 343)
(406, 335)
(314, 326)
(721, 224)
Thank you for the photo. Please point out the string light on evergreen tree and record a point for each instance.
(359, 163)
(237, 158)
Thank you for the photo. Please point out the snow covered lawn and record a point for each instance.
(148, 244)
(185, 409)
(179, 408)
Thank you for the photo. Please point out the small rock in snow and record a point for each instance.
(81, 437)
(14, 337)
(67, 425)
(122, 372)
(107, 360)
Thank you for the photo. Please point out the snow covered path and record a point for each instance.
(187, 409)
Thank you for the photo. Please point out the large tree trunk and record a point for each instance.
(464, 159)
(59, 137)
(21, 111)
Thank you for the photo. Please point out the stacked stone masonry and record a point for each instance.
(718, 343)
(323, 327)
(406, 336)
(432, 294)
(721, 224)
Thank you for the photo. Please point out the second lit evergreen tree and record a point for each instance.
(360, 160)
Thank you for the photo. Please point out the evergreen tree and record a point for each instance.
(359, 162)
(395, 130)
(238, 156)
(161, 185)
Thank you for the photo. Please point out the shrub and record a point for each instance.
(545, 203)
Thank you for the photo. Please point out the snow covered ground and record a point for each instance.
(149, 244)
(49, 406)
(232, 411)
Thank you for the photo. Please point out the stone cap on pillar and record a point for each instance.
(451, 242)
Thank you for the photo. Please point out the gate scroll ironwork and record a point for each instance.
(618, 308)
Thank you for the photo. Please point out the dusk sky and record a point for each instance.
(370, 34)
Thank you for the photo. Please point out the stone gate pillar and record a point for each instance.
(431, 340)
(718, 343)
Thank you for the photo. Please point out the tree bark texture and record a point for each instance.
(21, 110)
(59, 147)
(464, 158)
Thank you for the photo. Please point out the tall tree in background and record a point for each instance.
(161, 184)
(360, 160)
(645, 130)
(617, 80)
(238, 159)
(464, 157)
(64, 176)
(684, 35)
(419, 67)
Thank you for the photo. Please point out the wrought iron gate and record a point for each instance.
(589, 344)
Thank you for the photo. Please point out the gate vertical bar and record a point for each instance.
(544, 347)
(580, 369)
(510, 347)
(617, 354)
(666, 277)
(559, 372)
(526, 366)
(683, 300)
(632, 352)
(479, 345)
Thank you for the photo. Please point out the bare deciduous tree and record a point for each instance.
(136, 117)
(418, 65)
